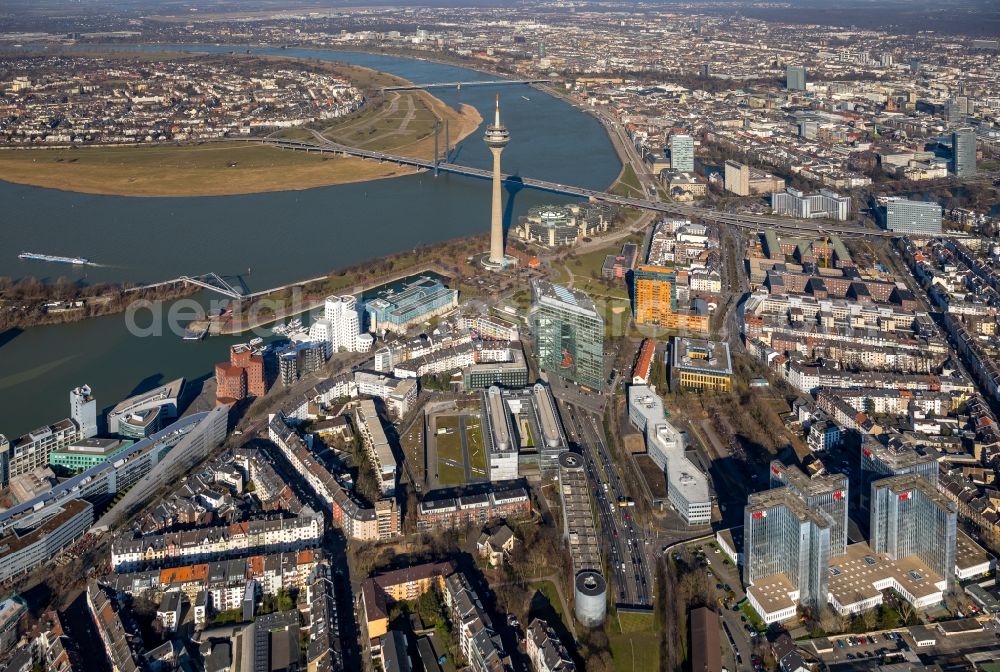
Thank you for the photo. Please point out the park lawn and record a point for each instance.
(450, 475)
(477, 451)
(595, 288)
(403, 123)
(560, 276)
(337, 282)
(527, 436)
(548, 589)
(635, 639)
(449, 446)
(635, 622)
(628, 184)
(295, 134)
(593, 262)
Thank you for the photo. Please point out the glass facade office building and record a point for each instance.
(569, 334)
(826, 493)
(910, 517)
(416, 301)
(781, 535)
(879, 462)
(963, 152)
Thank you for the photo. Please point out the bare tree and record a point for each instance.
(870, 618)
(905, 610)
(830, 620)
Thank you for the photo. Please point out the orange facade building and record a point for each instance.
(655, 301)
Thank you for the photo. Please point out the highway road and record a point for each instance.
(741, 220)
(626, 557)
(459, 85)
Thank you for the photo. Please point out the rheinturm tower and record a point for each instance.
(497, 136)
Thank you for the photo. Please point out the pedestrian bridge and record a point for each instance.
(215, 283)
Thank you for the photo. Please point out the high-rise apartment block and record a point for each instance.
(31, 451)
(912, 217)
(795, 78)
(569, 333)
(821, 204)
(963, 152)
(682, 153)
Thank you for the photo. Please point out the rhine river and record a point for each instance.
(282, 237)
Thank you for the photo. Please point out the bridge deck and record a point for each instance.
(739, 220)
(452, 85)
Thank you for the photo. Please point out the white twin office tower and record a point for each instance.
(340, 327)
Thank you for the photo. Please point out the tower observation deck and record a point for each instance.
(496, 137)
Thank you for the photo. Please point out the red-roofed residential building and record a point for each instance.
(644, 363)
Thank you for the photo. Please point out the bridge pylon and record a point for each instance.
(437, 132)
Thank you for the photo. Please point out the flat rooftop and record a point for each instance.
(772, 593)
(968, 553)
(853, 575)
(697, 354)
(546, 293)
(906, 482)
(581, 533)
(171, 390)
(789, 499)
(94, 446)
(682, 474)
(380, 444)
(896, 457)
(809, 487)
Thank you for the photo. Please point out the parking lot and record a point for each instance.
(872, 646)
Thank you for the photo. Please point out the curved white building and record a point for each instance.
(340, 326)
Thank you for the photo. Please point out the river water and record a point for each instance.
(282, 237)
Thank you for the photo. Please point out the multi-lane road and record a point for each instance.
(740, 220)
(624, 539)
